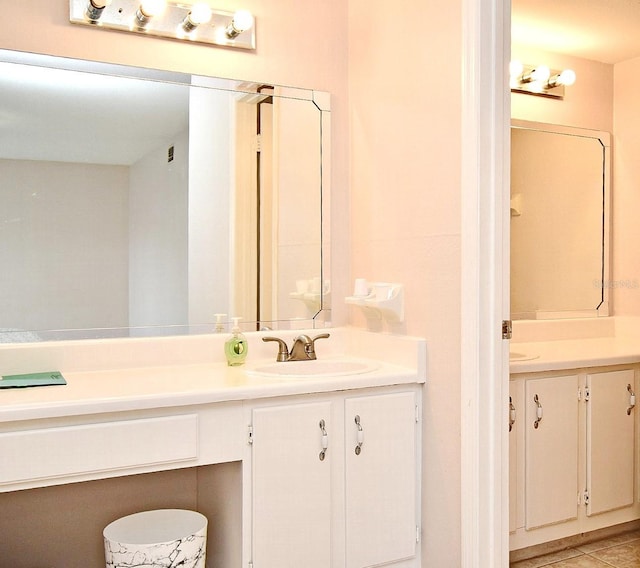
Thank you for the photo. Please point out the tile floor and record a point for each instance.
(622, 551)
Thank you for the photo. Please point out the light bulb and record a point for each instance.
(515, 69)
(152, 8)
(242, 21)
(200, 14)
(568, 77)
(149, 9)
(540, 73)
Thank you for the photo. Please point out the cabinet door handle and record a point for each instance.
(324, 440)
(360, 438)
(632, 400)
(512, 414)
(538, 411)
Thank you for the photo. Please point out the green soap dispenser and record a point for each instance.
(236, 347)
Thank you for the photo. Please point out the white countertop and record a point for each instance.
(110, 385)
(161, 387)
(574, 354)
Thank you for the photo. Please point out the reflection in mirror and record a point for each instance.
(559, 221)
(139, 202)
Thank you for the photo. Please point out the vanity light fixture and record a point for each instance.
(172, 19)
(539, 80)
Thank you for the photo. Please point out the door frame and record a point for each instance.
(486, 113)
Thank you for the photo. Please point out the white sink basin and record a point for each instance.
(317, 368)
(515, 356)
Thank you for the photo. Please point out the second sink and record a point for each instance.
(317, 368)
(515, 356)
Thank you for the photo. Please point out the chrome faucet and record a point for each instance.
(303, 348)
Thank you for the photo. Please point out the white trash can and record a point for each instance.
(164, 538)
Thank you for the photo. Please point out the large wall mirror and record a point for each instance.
(559, 221)
(140, 202)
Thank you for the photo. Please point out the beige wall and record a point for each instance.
(405, 113)
(402, 131)
(626, 198)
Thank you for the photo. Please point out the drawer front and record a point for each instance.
(66, 451)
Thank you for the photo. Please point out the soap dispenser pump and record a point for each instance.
(236, 347)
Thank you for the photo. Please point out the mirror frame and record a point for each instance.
(605, 139)
(322, 101)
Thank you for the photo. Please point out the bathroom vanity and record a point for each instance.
(327, 463)
(330, 459)
(573, 366)
(572, 437)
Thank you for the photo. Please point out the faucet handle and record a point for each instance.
(283, 351)
(321, 336)
(312, 345)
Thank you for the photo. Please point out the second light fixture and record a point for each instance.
(539, 79)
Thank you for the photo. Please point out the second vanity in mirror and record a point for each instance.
(142, 202)
(574, 374)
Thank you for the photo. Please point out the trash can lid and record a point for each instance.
(155, 527)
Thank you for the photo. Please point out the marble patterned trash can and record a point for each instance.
(164, 538)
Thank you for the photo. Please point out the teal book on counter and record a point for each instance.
(32, 380)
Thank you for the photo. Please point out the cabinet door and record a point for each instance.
(551, 452)
(380, 479)
(610, 441)
(291, 486)
(516, 454)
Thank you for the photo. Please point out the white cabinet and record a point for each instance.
(573, 454)
(292, 485)
(610, 441)
(551, 450)
(317, 501)
(380, 496)
(88, 447)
